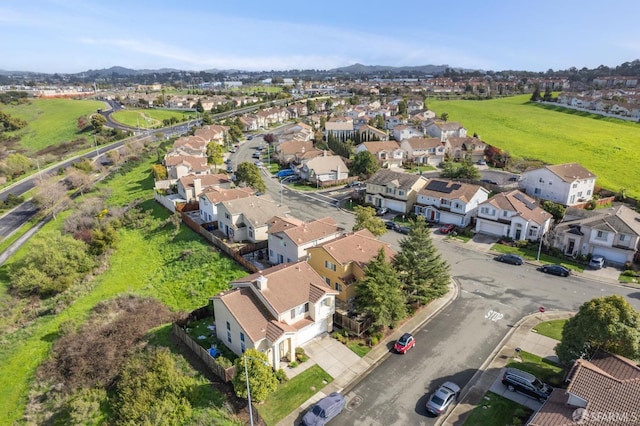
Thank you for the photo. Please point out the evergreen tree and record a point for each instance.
(423, 273)
(379, 293)
(364, 164)
(535, 97)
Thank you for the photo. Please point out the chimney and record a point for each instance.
(197, 187)
(261, 282)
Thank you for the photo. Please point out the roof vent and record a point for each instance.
(261, 282)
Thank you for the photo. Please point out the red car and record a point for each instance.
(445, 229)
(404, 343)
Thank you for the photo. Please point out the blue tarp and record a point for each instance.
(213, 352)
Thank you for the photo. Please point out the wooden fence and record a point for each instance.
(357, 327)
(224, 373)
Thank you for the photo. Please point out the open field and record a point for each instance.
(51, 121)
(605, 146)
(148, 118)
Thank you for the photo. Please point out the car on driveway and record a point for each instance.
(526, 383)
(256, 155)
(404, 343)
(324, 410)
(403, 229)
(442, 398)
(513, 259)
(259, 163)
(596, 262)
(389, 224)
(446, 229)
(382, 211)
(558, 270)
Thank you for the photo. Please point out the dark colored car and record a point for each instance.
(404, 343)
(353, 184)
(513, 259)
(389, 224)
(256, 155)
(489, 181)
(229, 168)
(558, 270)
(249, 137)
(442, 398)
(403, 229)
(520, 381)
(446, 229)
(324, 410)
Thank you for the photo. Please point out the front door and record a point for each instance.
(572, 244)
(518, 233)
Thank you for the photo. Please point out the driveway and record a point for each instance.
(334, 357)
(482, 242)
(608, 273)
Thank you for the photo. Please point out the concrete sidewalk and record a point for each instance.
(348, 369)
(489, 375)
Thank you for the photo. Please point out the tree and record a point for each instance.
(364, 164)
(249, 174)
(467, 170)
(51, 196)
(199, 107)
(535, 96)
(556, 210)
(449, 169)
(444, 116)
(206, 118)
(98, 121)
(378, 122)
(402, 107)
(423, 273)
(605, 323)
(78, 179)
(548, 95)
(262, 378)
(17, 164)
(269, 138)
(379, 293)
(215, 154)
(366, 219)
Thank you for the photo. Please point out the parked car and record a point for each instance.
(229, 168)
(256, 155)
(324, 410)
(389, 224)
(492, 182)
(597, 262)
(227, 161)
(382, 211)
(442, 398)
(285, 172)
(558, 270)
(403, 229)
(233, 150)
(249, 137)
(482, 163)
(526, 383)
(404, 343)
(353, 184)
(259, 163)
(513, 259)
(514, 178)
(446, 229)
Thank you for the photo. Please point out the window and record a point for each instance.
(401, 193)
(589, 192)
(329, 265)
(537, 191)
(227, 216)
(575, 185)
(390, 191)
(228, 336)
(228, 326)
(326, 302)
(505, 213)
(541, 180)
(270, 253)
(250, 233)
(242, 345)
(339, 287)
(624, 237)
(601, 235)
(580, 194)
(327, 280)
(293, 313)
(306, 307)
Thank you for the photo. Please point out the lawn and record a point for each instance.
(359, 347)
(543, 369)
(50, 121)
(551, 328)
(149, 118)
(293, 393)
(607, 147)
(496, 410)
(531, 253)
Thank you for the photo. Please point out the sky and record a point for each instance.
(72, 36)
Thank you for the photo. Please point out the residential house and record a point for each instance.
(289, 238)
(182, 165)
(191, 145)
(388, 153)
(396, 191)
(404, 131)
(391, 121)
(460, 148)
(324, 169)
(248, 123)
(340, 128)
(367, 133)
(291, 151)
(274, 311)
(446, 201)
(341, 262)
(246, 219)
(190, 187)
(568, 184)
(601, 390)
(613, 233)
(212, 133)
(209, 200)
(514, 215)
(445, 129)
(425, 151)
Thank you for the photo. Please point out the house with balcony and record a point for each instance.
(246, 219)
(341, 262)
(209, 200)
(396, 191)
(388, 153)
(567, 184)
(514, 215)
(274, 311)
(613, 233)
(424, 151)
(290, 238)
(447, 201)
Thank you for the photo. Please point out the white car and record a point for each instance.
(597, 262)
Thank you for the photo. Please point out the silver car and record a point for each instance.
(442, 398)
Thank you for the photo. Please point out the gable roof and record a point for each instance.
(423, 143)
(192, 161)
(279, 224)
(451, 190)
(519, 202)
(292, 147)
(607, 383)
(359, 247)
(205, 180)
(255, 210)
(570, 172)
(619, 219)
(218, 195)
(305, 232)
(386, 177)
(379, 146)
(326, 164)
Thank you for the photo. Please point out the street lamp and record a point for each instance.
(246, 377)
(39, 172)
(540, 246)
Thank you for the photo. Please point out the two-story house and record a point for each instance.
(396, 191)
(568, 184)
(388, 153)
(274, 311)
(341, 262)
(340, 128)
(324, 169)
(292, 151)
(209, 200)
(613, 233)
(404, 131)
(190, 187)
(446, 201)
(290, 238)
(182, 165)
(246, 219)
(191, 145)
(445, 129)
(425, 151)
(514, 215)
(460, 148)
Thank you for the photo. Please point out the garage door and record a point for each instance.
(311, 331)
(612, 255)
(396, 206)
(491, 228)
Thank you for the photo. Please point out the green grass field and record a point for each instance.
(607, 147)
(496, 410)
(148, 118)
(51, 121)
(551, 328)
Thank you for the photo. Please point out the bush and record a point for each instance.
(628, 266)
(522, 243)
(281, 375)
(591, 204)
(293, 364)
(301, 356)
(374, 340)
(224, 362)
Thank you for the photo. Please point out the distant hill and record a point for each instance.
(376, 69)
(127, 71)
